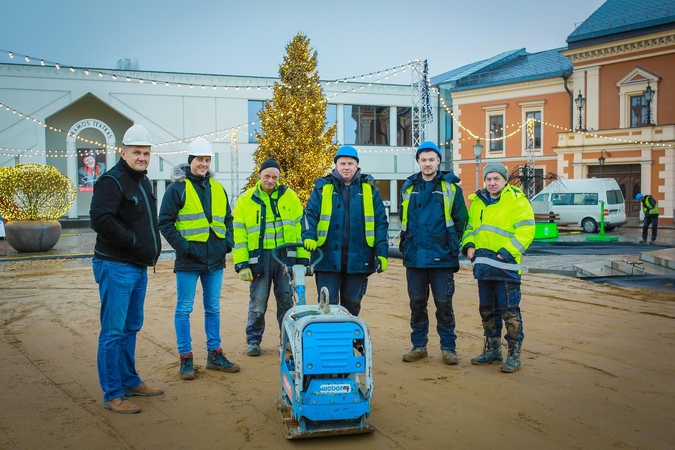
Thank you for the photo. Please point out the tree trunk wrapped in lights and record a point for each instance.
(293, 123)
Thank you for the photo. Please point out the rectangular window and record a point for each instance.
(366, 125)
(497, 133)
(404, 127)
(639, 111)
(536, 116)
(254, 106)
(331, 118)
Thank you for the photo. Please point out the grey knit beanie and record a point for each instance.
(495, 166)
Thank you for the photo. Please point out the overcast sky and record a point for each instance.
(248, 37)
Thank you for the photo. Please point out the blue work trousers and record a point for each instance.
(260, 287)
(500, 303)
(441, 283)
(121, 288)
(186, 287)
(346, 289)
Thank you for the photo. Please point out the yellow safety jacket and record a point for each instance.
(192, 222)
(263, 222)
(494, 227)
(647, 209)
(327, 210)
(448, 190)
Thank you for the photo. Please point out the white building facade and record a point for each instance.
(57, 116)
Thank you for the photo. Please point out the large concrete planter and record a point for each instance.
(33, 236)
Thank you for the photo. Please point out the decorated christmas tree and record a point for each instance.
(293, 123)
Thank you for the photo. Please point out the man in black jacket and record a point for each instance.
(124, 216)
(196, 219)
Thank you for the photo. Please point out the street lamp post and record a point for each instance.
(477, 152)
(580, 101)
(649, 96)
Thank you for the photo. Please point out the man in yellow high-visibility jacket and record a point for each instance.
(196, 219)
(266, 216)
(500, 229)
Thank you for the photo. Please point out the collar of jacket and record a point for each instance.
(135, 175)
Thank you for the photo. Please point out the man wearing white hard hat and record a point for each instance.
(124, 216)
(196, 219)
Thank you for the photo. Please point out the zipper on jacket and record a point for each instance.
(147, 205)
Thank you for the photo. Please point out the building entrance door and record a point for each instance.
(629, 179)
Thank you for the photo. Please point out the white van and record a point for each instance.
(578, 201)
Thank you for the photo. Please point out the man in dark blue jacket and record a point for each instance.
(345, 218)
(124, 216)
(196, 219)
(433, 217)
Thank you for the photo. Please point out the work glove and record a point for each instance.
(382, 264)
(310, 245)
(246, 275)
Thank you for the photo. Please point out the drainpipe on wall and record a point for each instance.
(566, 76)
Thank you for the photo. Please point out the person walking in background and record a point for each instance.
(346, 219)
(650, 209)
(196, 219)
(266, 216)
(433, 217)
(124, 216)
(500, 229)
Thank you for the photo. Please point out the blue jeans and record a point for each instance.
(186, 286)
(441, 282)
(500, 303)
(346, 289)
(121, 287)
(260, 288)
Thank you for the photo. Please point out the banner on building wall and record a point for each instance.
(91, 163)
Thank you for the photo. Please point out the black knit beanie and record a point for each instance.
(269, 163)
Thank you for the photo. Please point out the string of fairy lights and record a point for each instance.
(220, 135)
(366, 78)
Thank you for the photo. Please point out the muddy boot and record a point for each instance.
(492, 353)
(187, 367)
(512, 363)
(216, 360)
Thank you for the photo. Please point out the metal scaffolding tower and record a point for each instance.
(422, 113)
(529, 168)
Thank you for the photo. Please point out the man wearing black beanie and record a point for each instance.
(266, 216)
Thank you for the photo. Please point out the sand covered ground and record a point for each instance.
(598, 371)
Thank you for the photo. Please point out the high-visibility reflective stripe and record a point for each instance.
(497, 264)
(253, 260)
(523, 223)
(193, 231)
(518, 245)
(494, 229)
(191, 216)
(240, 245)
(238, 225)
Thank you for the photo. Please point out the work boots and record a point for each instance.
(415, 354)
(512, 363)
(217, 361)
(492, 353)
(187, 367)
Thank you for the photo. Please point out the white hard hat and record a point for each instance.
(137, 135)
(200, 147)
